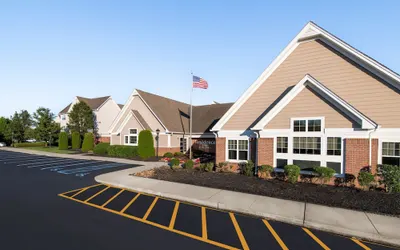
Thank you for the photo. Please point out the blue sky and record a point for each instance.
(51, 51)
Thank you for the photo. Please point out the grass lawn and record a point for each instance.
(51, 149)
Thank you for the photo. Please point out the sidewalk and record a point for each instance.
(146, 165)
(374, 227)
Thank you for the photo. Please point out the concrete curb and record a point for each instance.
(382, 229)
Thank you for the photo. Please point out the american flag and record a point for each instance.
(199, 82)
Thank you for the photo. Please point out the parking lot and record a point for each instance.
(54, 203)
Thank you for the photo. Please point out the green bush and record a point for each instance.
(222, 167)
(76, 141)
(122, 151)
(365, 179)
(189, 164)
(146, 144)
(391, 178)
(292, 173)
(265, 171)
(88, 142)
(247, 168)
(209, 166)
(101, 148)
(178, 154)
(174, 162)
(63, 141)
(29, 144)
(168, 155)
(325, 174)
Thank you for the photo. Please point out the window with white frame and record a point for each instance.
(307, 145)
(63, 117)
(334, 146)
(238, 149)
(132, 137)
(391, 153)
(282, 145)
(299, 125)
(307, 125)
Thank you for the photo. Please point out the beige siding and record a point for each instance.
(308, 104)
(367, 94)
(115, 140)
(106, 115)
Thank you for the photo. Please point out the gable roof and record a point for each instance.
(327, 94)
(65, 110)
(311, 32)
(175, 115)
(140, 119)
(94, 103)
(120, 106)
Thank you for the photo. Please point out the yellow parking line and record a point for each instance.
(239, 232)
(153, 224)
(316, 239)
(173, 218)
(112, 198)
(91, 197)
(80, 189)
(276, 236)
(150, 208)
(127, 205)
(360, 244)
(204, 223)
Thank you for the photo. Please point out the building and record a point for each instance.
(146, 111)
(321, 102)
(105, 109)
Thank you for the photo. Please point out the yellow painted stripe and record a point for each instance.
(154, 224)
(276, 236)
(316, 239)
(127, 205)
(204, 222)
(150, 208)
(80, 189)
(360, 244)
(173, 217)
(91, 197)
(112, 198)
(239, 232)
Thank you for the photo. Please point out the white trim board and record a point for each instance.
(308, 80)
(310, 31)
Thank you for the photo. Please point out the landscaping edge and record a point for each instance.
(369, 226)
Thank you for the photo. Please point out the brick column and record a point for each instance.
(357, 155)
(220, 149)
(265, 151)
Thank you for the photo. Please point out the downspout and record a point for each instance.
(370, 145)
(257, 133)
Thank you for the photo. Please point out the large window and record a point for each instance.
(307, 145)
(334, 146)
(282, 145)
(132, 137)
(238, 149)
(307, 125)
(391, 153)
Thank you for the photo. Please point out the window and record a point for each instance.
(335, 166)
(63, 117)
(132, 138)
(334, 146)
(391, 153)
(306, 165)
(314, 125)
(281, 163)
(238, 149)
(299, 126)
(282, 145)
(307, 145)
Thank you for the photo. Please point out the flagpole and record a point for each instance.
(191, 113)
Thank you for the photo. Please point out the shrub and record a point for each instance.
(391, 178)
(264, 171)
(63, 141)
(101, 148)
(324, 174)
(209, 166)
(292, 173)
(174, 162)
(168, 155)
(178, 154)
(29, 144)
(146, 144)
(88, 142)
(365, 179)
(122, 151)
(222, 167)
(76, 141)
(247, 168)
(189, 164)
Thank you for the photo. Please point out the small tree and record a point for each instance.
(63, 141)
(146, 144)
(88, 142)
(76, 141)
(81, 118)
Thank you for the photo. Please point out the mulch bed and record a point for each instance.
(136, 158)
(344, 197)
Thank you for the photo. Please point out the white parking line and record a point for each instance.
(16, 157)
(91, 168)
(43, 162)
(30, 159)
(54, 163)
(56, 168)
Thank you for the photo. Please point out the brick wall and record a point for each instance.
(265, 151)
(220, 147)
(357, 155)
(104, 139)
(162, 151)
